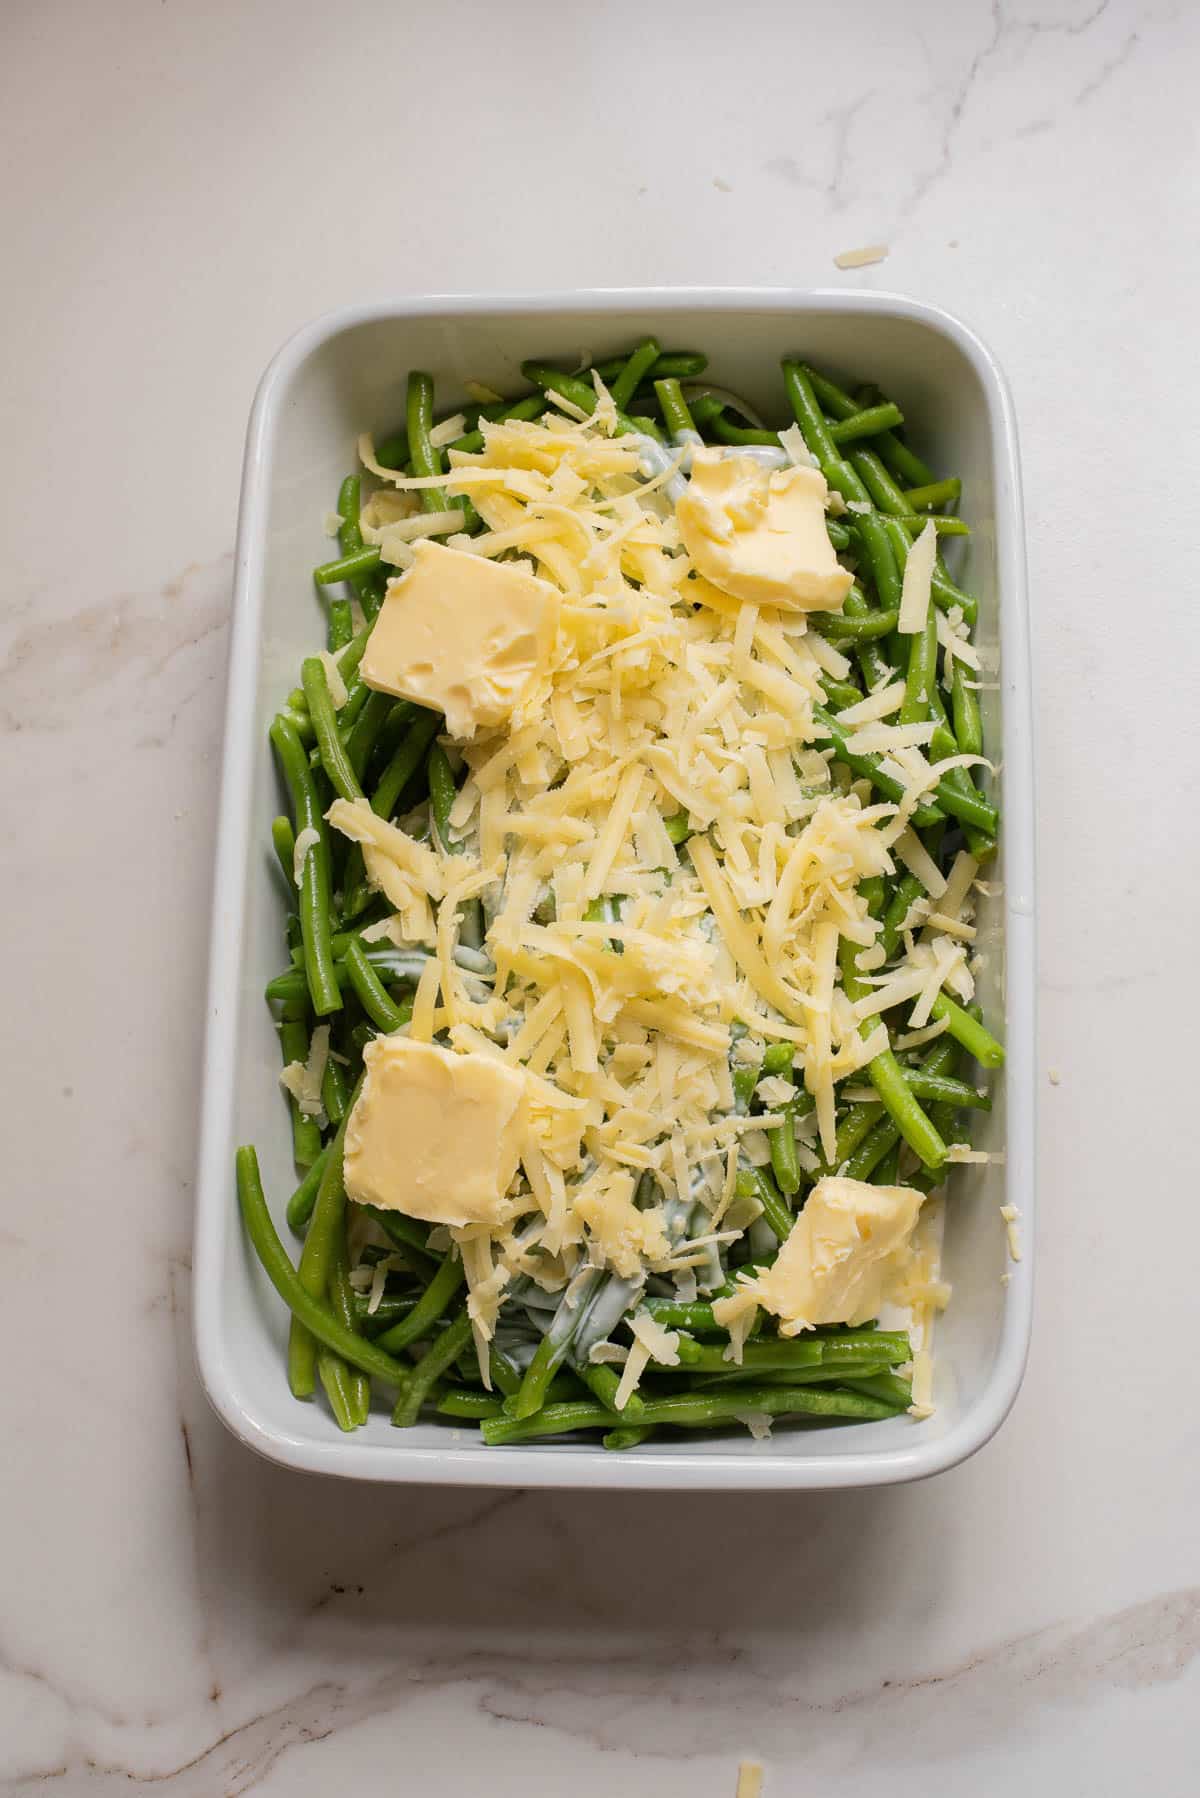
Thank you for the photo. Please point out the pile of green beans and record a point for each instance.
(411, 1339)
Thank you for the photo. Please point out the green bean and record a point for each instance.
(876, 545)
(678, 827)
(873, 888)
(944, 525)
(858, 1123)
(577, 393)
(316, 1261)
(393, 451)
(956, 1093)
(425, 459)
(913, 1123)
(441, 1354)
(372, 994)
(350, 541)
(674, 407)
(283, 841)
(843, 627)
(965, 1029)
(459, 1401)
(315, 1316)
(878, 482)
(602, 1382)
(868, 766)
(744, 1078)
(341, 1302)
(867, 423)
(889, 1388)
(630, 1437)
(335, 1094)
(341, 624)
(873, 663)
(505, 1377)
(341, 1388)
(344, 568)
(725, 432)
(531, 407)
(757, 1183)
(639, 363)
(833, 399)
(968, 727)
(887, 1076)
(693, 1315)
(943, 1118)
(314, 875)
(299, 1206)
(357, 694)
(831, 1373)
(704, 408)
(428, 1310)
(778, 1058)
(527, 409)
(943, 741)
(320, 709)
(442, 794)
(921, 678)
(893, 451)
(956, 792)
(297, 716)
(688, 1411)
(532, 1392)
(350, 657)
(411, 1237)
(963, 800)
(943, 591)
(306, 1136)
(680, 365)
(808, 415)
(866, 1347)
(870, 1158)
(785, 1161)
(935, 496)
(363, 732)
(287, 989)
(551, 1420)
(391, 1309)
(887, 1171)
(409, 756)
(908, 890)
(880, 1141)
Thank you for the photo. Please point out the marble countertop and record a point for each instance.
(188, 183)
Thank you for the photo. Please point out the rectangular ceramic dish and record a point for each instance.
(345, 374)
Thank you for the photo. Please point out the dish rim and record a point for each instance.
(470, 1462)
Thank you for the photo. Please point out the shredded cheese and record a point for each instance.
(916, 587)
(875, 252)
(619, 968)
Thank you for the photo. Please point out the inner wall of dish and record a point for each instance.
(355, 382)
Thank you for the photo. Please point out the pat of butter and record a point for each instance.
(843, 1256)
(434, 1134)
(463, 635)
(759, 534)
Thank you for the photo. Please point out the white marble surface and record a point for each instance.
(186, 183)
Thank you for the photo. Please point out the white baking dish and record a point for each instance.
(345, 374)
